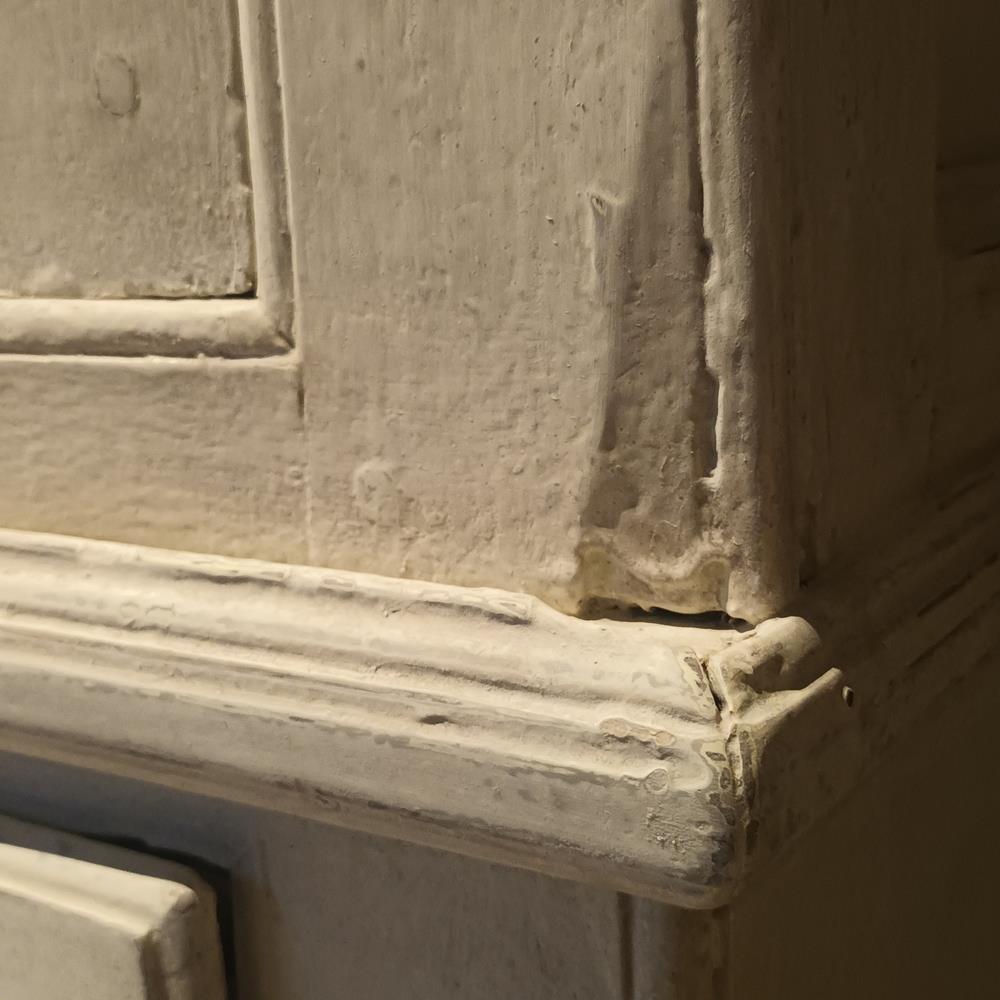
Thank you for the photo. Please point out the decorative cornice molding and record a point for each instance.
(474, 720)
(485, 722)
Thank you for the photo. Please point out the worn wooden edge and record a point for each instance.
(473, 720)
(230, 327)
(814, 700)
(746, 333)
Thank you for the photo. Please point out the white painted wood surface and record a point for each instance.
(72, 928)
(657, 759)
(396, 481)
(526, 324)
(190, 453)
(815, 701)
(476, 720)
(444, 413)
(256, 318)
(320, 912)
(510, 376)
(124, 151)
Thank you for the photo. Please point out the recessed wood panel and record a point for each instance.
(123, 151)
(501, 263)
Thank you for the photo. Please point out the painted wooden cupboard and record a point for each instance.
(499, 499)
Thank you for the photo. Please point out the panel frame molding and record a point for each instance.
(257, 325)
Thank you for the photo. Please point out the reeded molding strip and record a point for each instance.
(237, 327)
(474, 720)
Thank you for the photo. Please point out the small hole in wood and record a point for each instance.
(434, 720)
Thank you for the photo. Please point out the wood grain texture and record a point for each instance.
(71, 927)
(965, 418)
(203, 455)
(124, 151)
(967, 37)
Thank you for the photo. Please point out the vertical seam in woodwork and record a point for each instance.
(747, 337)
(626, 947)
(236, 90)
(307, 490)
(620, 226)
(708, 388)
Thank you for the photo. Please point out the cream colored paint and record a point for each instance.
(71, 928)
(200, 454)
(480, 721)
(506, 368)
(503, 331)
(539, 345)
(490, 725)
(258, 321)
(670, 761)
(320, 912)
(461, 342)
(124, 151)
